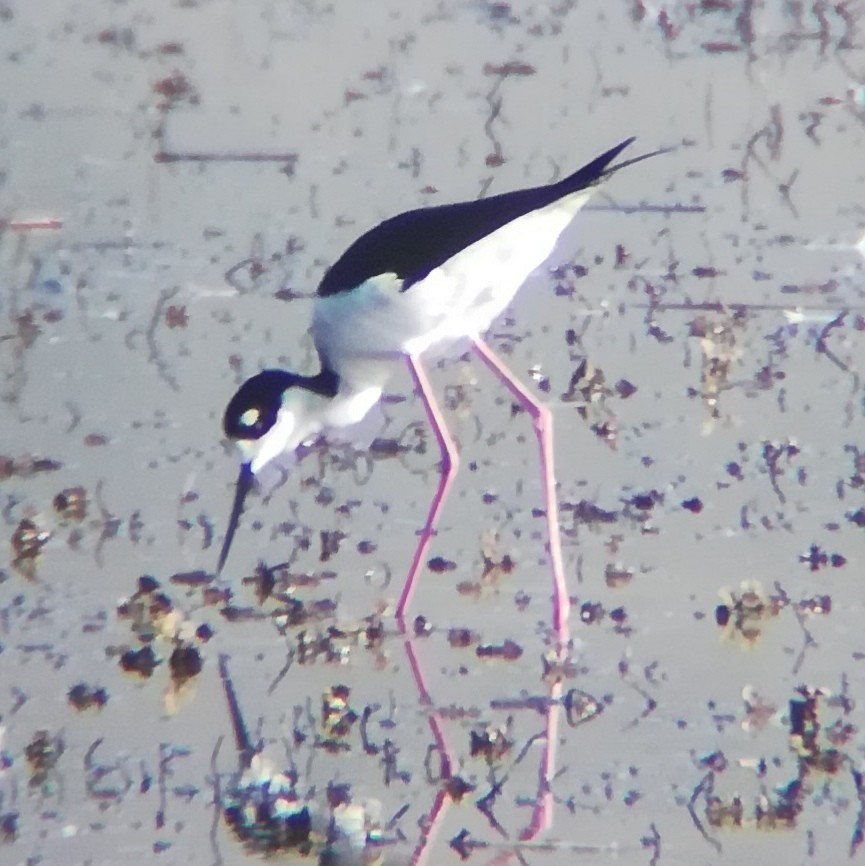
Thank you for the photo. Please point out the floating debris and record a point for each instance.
(42, 753)
(509, 651)
(154, 620)
(71, 504)
(264, 810)
(558, 665)
(192, 579)
(27, 543)
(461, 638)
(8, 826)
(580, 707)
(83, 697)
(142, 662)
(337, 719)
(805, 733)
(491, 743)
(185, 662)
(23, 467)
(742, 614)
(440, 565)
(421, 627)
(150, 610)
(267, 813)
(617, 575)
(813, 749)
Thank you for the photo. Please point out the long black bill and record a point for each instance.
(244, 484)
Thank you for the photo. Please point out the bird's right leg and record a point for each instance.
(449, 463)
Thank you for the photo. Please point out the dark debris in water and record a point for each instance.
(595, 613)
(27, 541)
(265, 812)
(491, 743)
(509, 651)
(160, 629)
(142, 661)
(71, 504)
(42, 753)
(85, 697)
(337, 717)
(743, 613)
(184, 663)
(266, 809)
(815, 750)
(8, 827)
(25, 466)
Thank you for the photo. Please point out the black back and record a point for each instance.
(414, 243)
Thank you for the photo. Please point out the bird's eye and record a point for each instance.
(250, 417)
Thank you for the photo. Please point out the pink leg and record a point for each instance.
(542, 813)
(543, 423)
(449, 464)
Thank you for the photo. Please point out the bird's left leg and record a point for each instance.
(542, 420)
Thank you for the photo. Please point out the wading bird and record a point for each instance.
(427, 277)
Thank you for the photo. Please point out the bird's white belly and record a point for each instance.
(460, 298)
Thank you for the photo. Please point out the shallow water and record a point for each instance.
(698, 334)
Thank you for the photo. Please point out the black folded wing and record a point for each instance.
(414, 243)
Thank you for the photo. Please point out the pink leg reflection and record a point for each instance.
(30, 225)
(542, 812)
(442, 800)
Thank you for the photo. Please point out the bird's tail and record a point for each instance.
(629, 162)
(599, 169)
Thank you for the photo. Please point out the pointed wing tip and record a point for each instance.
(608, 156)
(592, 173)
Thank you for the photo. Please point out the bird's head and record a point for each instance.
(262, 417)
(268, 417)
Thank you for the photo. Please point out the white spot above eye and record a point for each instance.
(250, 417)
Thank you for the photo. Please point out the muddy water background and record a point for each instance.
(716, 295)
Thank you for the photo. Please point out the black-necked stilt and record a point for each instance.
(425, 277)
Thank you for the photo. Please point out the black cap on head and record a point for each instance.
(252, 411)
